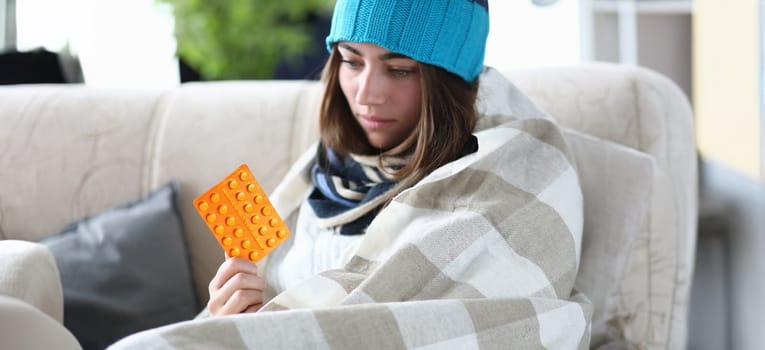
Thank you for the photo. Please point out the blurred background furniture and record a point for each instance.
(32, 67)
(74, 151)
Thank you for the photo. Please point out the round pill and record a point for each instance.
(203, 206)
(254, 256)
(259, 199)
(223, 209)
(281, 233)
(215, 198)
(266, 211)
(255, 219)
(246, 244)
(234, 252)
(219, 229)
(233, 184)
(249, 207)
(251, 188)
(263, 230)
(238, 232)
(273, 222)
(240, 196)
(244, 176)
(230, 221)
(270, 242)
(211, 217)
(227, 240)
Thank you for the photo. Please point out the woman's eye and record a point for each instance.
(399, 72)
(350, 64)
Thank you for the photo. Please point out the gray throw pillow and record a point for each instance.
(125, 270)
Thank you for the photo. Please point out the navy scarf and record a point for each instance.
(350, 190)
(349, 183)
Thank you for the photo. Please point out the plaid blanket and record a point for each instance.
(482, 253)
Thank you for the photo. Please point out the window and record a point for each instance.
(125, 43)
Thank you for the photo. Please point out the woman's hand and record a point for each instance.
(236, 288)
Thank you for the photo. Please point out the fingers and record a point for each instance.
(235, 288)
(242, 300)
(237, 294)
(254, 308)
(229, 268)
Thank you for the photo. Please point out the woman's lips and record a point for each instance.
(372, 122)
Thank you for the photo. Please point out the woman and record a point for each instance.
(414, 222)
(397, 115)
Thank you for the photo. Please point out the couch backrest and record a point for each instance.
(67, 152)
(70, 151)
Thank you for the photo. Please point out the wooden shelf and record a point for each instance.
(669, 7)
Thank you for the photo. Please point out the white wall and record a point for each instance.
(120, 43)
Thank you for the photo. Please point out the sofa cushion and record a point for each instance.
(644, 110)
(629, 243)
(125, 270)
(627, 203)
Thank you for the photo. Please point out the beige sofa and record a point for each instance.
(68, 152)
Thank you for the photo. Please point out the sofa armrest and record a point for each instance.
(26, 327)
(28, 272)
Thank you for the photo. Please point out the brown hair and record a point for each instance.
(447, 119)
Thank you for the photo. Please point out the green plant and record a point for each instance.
(244, 39)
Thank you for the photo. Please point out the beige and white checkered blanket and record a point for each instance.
(482, 253)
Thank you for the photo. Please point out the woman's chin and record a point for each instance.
(388, 147)
(379, 144)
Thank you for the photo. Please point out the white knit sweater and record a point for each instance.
(309, 250)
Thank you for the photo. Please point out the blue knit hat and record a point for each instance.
(450, 34)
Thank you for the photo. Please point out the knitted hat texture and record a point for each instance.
(450, 34)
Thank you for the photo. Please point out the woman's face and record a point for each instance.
(383, 91)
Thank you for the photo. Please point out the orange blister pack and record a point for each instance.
(241, 217)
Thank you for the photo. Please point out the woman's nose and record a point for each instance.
(371, 89)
